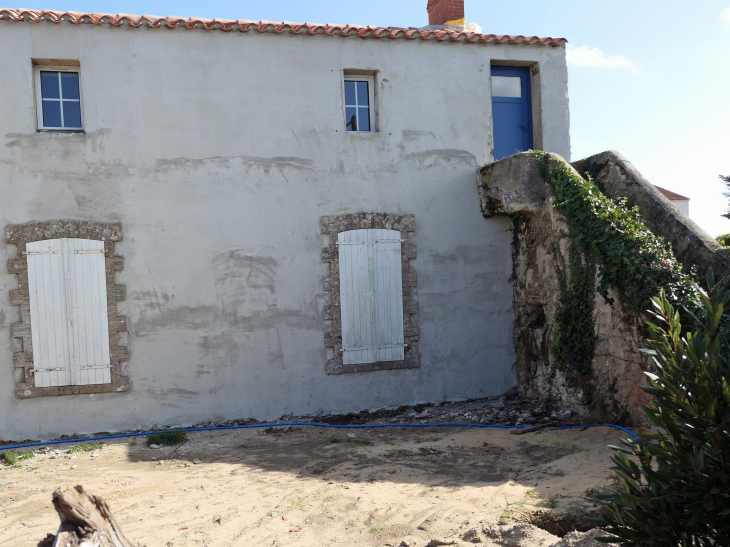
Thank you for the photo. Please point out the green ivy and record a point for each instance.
(574, 319)
(631, 260)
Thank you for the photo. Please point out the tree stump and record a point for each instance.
(86, 521)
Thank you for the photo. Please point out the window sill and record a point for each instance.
(29, 391)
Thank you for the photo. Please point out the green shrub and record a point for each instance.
(11, 457)
(167, 438)
(86, 447)
(675, 484)
(723, 240)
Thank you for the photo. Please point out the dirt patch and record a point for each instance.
(381, 486)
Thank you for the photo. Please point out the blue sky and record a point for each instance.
(648, 78)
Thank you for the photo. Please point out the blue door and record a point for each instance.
(511, 110)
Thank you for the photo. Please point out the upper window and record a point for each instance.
(371, 296)
(359, 95)
(59, 99)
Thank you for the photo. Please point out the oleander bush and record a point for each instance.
(675, 483)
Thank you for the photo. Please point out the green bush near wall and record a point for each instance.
(675, 483)
(723, 240)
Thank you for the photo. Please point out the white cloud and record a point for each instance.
(592, 56)
(725, 17)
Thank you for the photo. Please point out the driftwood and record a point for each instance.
(86, 521)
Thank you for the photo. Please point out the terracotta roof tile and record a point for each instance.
(670, 195)
(242, 25)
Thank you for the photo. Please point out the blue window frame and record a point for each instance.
(358, 103)
(59, 100)
(511, 110)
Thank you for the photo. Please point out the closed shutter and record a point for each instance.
(48, 313)
(371, 296)
(388, 296)
(71, 275)
(355, 297)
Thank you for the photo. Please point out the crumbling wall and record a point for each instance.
(618, 178)
(514, 187)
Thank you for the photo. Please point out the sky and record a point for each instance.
(648, 78)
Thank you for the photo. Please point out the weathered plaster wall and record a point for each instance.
(219, 153)
(514, 187)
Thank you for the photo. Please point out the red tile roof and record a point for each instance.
(670, 195)
(241, 25)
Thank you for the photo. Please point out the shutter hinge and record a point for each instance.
(95, 251)
(389, 240)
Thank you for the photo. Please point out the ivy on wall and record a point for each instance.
(608, 236)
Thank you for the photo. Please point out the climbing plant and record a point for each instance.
(574, 320)
(631, 260)
(609, 248)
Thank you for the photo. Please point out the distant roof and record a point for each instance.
(670, 195)
(241, 25)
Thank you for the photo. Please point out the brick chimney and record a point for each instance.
(442, 11)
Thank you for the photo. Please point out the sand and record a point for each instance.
(416, 487)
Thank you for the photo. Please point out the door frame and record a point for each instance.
(530, 87)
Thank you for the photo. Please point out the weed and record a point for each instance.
(270, 430)
(86, 447)
(349, 440)
(485, 443)
(377, 529)
(532, 494)
(507, 514)
(11, 457)
(131, 442)
(551, 502)
(297, 504)
(167, 438)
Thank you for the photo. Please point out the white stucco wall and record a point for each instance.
(219, 152)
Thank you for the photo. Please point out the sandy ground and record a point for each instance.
(416, 487)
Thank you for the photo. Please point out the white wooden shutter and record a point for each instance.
(69, 322)
(355, 297)
(48, 313)
(388, 296)
(371, 296)
(88, 312)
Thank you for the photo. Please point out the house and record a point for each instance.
(679, 201)
(214, 220)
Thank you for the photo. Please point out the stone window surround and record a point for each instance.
(109, 233)
(333, 225)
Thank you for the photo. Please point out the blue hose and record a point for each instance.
(190, 430)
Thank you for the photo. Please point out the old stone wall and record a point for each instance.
(514, 187)
(613, 394)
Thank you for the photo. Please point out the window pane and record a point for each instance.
(51, 113)
(351, 119)
(49, 85)
(364, 119)
(506, 86)
(70, 85)
(72, 114)
(350, 93)
(362, 94)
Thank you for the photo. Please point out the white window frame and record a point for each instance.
(370, 79)
(39, 96)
